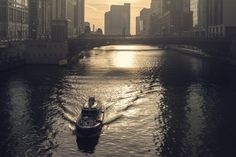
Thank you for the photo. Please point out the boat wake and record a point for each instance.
(110, 120)
(114, 108)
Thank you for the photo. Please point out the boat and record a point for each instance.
(90, 121)
(63, 62)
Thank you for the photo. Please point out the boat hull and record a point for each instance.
(89, 131)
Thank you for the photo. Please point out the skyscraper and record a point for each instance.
(144, 21)
(175, 17)
(79, 16)
(221, 18)
(199, 9)
(148, 23)
(14, 19)
(117, 20)
(138, 26)
(156, 6)
(39, 18)
(72, 11)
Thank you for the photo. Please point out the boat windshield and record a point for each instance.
(90, 112)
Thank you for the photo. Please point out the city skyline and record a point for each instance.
(117, 78)
(94, 11)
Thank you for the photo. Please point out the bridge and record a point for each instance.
(218, 46)
(49, 52)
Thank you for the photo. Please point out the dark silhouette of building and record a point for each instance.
(169, 18)
(40, 19)
(14, 19)
(59, 30)
(117, 20)
(144, 21)
(73, 12)
(221, 19)
(176, 18)
(79, 16)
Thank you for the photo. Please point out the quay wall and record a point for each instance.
(12, 56)
(43, 52)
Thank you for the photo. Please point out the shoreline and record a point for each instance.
(200, 53)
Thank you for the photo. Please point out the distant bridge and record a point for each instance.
(55, 51)
(210, 45)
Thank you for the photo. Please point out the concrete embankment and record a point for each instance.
(229, 57)
(46, 52)
(11, 63)
(12, 57)
(34, 52)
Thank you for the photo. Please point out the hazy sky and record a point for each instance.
(95, 10)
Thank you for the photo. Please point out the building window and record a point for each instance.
(3, 16)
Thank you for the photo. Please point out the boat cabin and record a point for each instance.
(90, 112)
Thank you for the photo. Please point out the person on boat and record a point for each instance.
(91, 101)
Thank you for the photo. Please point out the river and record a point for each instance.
(157, 103)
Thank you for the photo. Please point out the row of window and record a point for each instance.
(216, 29)
(19, 3)
(45, 55)
(3, 14)
(48, 46)
(18, 16)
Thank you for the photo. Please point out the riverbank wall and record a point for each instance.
(12, 56)
(228, 56)
(46, 52)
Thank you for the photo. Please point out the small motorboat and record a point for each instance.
(90, 121)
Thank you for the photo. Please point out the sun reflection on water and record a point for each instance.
(124, 59)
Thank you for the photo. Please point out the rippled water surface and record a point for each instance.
(157, 103)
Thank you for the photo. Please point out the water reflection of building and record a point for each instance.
(117, 20)
(14, 19)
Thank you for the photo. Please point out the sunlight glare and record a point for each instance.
(124, 59)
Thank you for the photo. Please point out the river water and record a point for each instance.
(157, 103)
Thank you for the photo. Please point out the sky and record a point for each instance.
(95, 10)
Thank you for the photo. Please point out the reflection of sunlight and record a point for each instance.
(126, 47)
(124, 59)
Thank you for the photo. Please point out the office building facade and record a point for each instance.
(40, 19)
(79, 16)
(73, 12)
(221, 19)
(170, 17)
(14, 16)
(117, 20)
(144, 21)
(200, 14)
